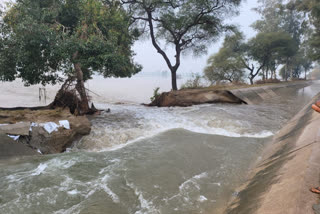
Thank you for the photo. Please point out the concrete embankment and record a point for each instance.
(256, 95)
(289, 166)
(251, 95)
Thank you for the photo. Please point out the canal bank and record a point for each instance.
(289, 166)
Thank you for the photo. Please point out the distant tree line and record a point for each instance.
(287, 41)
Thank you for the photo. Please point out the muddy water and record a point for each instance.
(150, 160)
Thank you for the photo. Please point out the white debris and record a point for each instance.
(65, 124)
(39, 151)
(50, 127)
(4, 124)
(14, 137)
(33, 125)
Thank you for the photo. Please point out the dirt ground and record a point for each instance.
(39, 116)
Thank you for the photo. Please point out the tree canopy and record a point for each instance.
(312, 8)
(263, 51)
(227, 64)
(43, 40)
(188, 25)
(286, 16)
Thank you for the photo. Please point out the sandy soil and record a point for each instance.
(39, 116)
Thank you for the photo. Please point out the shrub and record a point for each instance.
(267, 81)
(194, 82)
(156, 94)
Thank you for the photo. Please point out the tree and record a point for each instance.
(277, 16)
(268, 49)
(312, 8)
(263, 51)
(301, 63)
(43, 40)
(184, 24)
(226, 65)
(284, 16)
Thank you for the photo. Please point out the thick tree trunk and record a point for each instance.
(174, 80)
(251, 80)
(267, 74)
(84, 104)
(305, 74)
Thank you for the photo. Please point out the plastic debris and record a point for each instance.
(50, 127)
(33, 125)
(14, 137)
(65, 124)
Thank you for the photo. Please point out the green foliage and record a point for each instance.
(266, 48)
(280, 17)
(289, 17)
(39, 40)
(312, 7)
(187, 25)
(227, 64)
(265, 51)
(191, 23)
(156, 94)
(194, 82)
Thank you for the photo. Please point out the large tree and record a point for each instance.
(187, 25)
(284, 16)
(226, 65)
(312, 7)
(268, 50)
(260, 52)
(42, 41)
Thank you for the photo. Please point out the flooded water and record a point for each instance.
(141, 160)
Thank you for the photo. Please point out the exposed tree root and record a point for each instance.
(67, 97)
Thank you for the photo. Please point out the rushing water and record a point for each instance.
(150, 160)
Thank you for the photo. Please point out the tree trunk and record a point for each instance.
(84, 104)
(267, 74)
(251, 80)
(174, 80)
(305, 74)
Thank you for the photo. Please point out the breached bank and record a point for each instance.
(246, 95)
(57, 142)
(30, 130)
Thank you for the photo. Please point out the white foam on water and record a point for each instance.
(105, 187)
(193, 182)
(146, 206)
(202, 198)
(127, 124)
(40, 169)
(73, 192)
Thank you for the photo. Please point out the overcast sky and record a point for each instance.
(151, 61)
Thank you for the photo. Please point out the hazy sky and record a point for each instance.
(151, 61)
